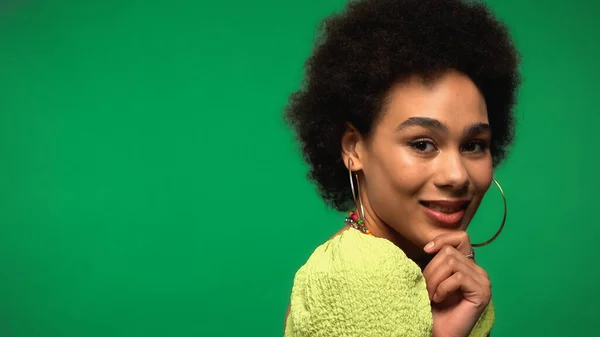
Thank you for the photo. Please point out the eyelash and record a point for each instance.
(415, 143)
(483, 145)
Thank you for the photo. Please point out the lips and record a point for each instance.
(445, 212)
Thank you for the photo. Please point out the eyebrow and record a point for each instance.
(477, 129)
(425, 122)
(431, 123)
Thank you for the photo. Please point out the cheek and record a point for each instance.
(481, 177)
(394, 175)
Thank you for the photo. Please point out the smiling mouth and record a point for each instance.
(447, 207)
(445, 212)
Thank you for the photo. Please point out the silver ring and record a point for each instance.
(471, 255)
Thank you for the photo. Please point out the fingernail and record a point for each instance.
(430, 245)
(435, 297)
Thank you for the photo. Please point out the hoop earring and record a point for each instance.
(503, 219)
(354, 220)
(356, 194)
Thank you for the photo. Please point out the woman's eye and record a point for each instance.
(475, 146)
(424, 146)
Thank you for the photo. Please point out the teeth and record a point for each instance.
(444, 209)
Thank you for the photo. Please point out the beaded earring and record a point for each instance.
(355, 222)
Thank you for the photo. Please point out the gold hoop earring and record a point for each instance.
(503, 219)
(354, 220)
(356, 194)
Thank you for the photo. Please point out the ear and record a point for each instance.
(353, 148)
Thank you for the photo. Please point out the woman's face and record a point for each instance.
(427, 164)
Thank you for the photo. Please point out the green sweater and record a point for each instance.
(360, 285)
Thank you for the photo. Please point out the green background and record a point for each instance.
(148, 186)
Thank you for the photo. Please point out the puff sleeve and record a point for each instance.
(355, 285)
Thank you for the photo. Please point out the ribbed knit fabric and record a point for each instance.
(360, 285)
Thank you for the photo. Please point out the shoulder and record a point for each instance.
(352, 255)
(359, 283)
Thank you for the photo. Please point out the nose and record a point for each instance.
(451, 173)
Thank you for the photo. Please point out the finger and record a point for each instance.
(447, 255)
(459, 240)
(444, 266)
(447, 262)
(473, 291)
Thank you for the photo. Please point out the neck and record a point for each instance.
(380, 229)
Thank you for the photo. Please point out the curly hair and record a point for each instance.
(371, 45)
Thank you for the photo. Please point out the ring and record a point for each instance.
(471, 255)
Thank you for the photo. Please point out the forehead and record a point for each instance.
(453, 99)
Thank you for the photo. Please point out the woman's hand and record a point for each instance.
(459, 289)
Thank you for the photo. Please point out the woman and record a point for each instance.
(405, 111)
